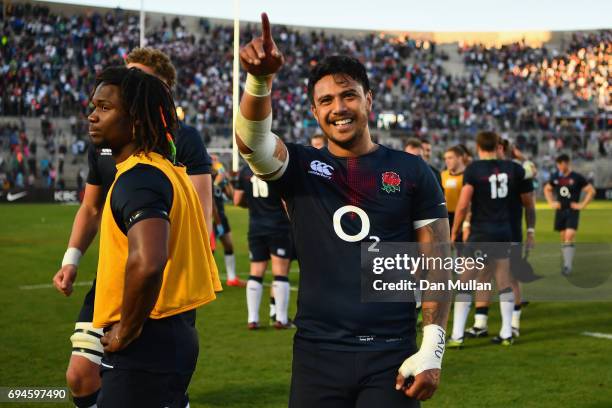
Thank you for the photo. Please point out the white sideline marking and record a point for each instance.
(50, 285)
(88, 283)
(598, 335)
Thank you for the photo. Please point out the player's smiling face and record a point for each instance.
(342, 108)
(109, 125)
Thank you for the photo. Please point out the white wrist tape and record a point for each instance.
(257, 85)
(258, 137)
(429, 355)
(72, 257)
(466, 224)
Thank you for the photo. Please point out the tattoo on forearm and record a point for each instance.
(435, 242)
(432, 315)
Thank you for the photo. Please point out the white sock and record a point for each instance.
(506, 307)
(568, 251)
(481, 321)
(254, 289)
(281, 290)
(272, 306)
(463, 302)
(516, 319)
(230, 266)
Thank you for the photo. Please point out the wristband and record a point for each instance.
(429, 355)
(72, 257)
(257, 85)
(466, 224)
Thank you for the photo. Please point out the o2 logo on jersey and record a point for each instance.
(365, 226)
(318, 168)
(499, 185)
(365, 223)
(565, 192)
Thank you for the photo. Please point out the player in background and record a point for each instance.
(83, 373)
(426, 149)
(505, 151)
(222, 188)
(563, 193)
(347, 352)
(452, 180)
(152, 271)
(488, 185)
(269, 240)
(415, 146)
(426, 145)
(317, 141)
(466, 155)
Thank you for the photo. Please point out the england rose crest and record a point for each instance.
(391, 182)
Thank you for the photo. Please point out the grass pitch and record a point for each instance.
(552, 364)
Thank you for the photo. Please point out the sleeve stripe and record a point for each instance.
(422, 223)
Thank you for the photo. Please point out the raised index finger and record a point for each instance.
(266, 33)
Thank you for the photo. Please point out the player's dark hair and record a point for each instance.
(465, 151)
(562, 158)
(338, 65)
(425, 140)
(149, 104)
(505, 145)
(413, 142)
(457, 150)
(487, 140)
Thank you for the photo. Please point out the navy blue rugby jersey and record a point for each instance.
(266, 212)
(568, 188)
(190, 152)
(496, 184)
(334, 205)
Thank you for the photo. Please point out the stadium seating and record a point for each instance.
(544, 99)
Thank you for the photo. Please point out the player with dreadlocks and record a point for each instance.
(148, 285)
(83, 372)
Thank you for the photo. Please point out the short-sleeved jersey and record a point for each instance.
(496, 183)
(334, 205)
(190, 151)
(451, 183)
(267, 214)
(568, 188)
(102, 168)
(141, 188)
(190, 276)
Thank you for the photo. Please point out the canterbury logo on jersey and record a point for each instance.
(319, 168)
(106, 152)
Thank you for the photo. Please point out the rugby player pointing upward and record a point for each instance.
(346, 353)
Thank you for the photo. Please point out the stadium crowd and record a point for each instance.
(22, 167)
(583, 68)
(543, 97)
